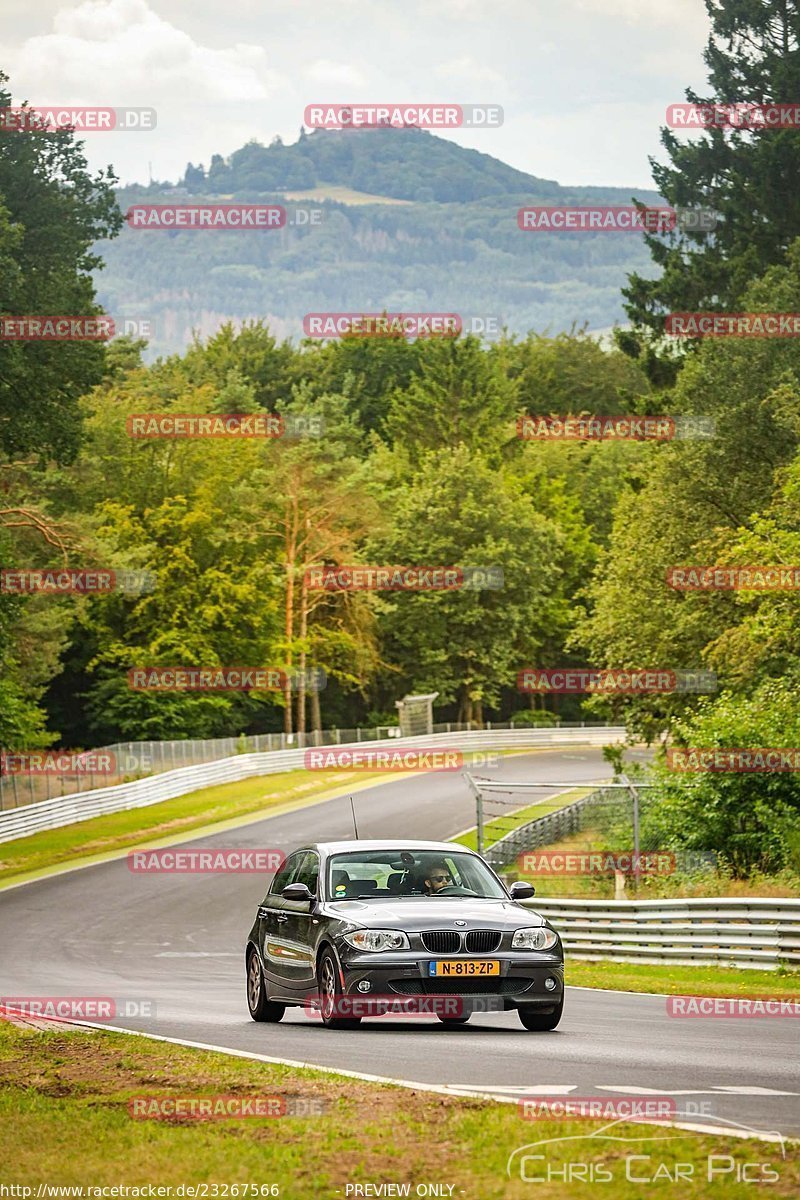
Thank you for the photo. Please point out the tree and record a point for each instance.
(52, 214)
(703, 501)
(460, 395)
(751, 820)
(194, 178)
(457, 511)
(749, 177)
(309, 504)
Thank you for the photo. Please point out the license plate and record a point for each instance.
(468, 966)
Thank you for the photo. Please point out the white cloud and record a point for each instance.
(467, 68)
(122, 50)
(681, 13)
(326, 71)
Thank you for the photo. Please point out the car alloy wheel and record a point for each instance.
(261, 1008)
(329, 994)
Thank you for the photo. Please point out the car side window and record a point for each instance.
(285, 874)
(309, 872)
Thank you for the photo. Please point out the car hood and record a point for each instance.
(430, 913)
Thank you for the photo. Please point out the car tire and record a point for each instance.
(538, 1021)
(260, 1006)
(330, 990)
(454, 1020)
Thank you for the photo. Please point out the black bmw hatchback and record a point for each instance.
(353, 929)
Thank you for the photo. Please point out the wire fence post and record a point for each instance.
(476, 791)
(636, 863)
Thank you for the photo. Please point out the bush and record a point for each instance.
(532, 718)
(751, 820)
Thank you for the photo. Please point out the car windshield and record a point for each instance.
(387, 874)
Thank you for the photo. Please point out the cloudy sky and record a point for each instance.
(584, 83)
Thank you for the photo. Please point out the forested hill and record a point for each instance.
(408, 222)
(404, 164)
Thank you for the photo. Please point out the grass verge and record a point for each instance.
(64, 1120)
(498, 827)
(683, 980)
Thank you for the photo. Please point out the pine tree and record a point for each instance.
(749, 177)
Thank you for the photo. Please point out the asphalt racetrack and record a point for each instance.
(177, 941)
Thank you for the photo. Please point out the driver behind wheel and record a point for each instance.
(437, 877)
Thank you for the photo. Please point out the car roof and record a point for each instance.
(328, 848)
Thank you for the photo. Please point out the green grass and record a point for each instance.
(175, 818)
(499, 826)
(683, 980)
(64, 1120)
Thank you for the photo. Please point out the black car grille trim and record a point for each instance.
(441, 941)
(506, 986)
(483, 941)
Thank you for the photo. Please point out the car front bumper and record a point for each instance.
(525, 979)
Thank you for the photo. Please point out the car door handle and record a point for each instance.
(283, 916)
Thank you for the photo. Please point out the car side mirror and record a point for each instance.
(296, 891)
(522, 891)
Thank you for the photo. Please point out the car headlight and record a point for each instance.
(539, 938)
(375, 940)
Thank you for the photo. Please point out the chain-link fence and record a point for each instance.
(608, 832)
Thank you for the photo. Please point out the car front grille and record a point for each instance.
(507, 986)
(483, 941)
(442, 941)
(447, 941)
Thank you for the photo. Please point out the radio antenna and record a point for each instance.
(353, 810)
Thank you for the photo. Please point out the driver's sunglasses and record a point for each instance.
(440, 878)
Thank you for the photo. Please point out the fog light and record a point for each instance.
(364, 985)
(550, 984)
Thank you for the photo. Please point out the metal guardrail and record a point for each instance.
(64, 810)
(760, 934)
